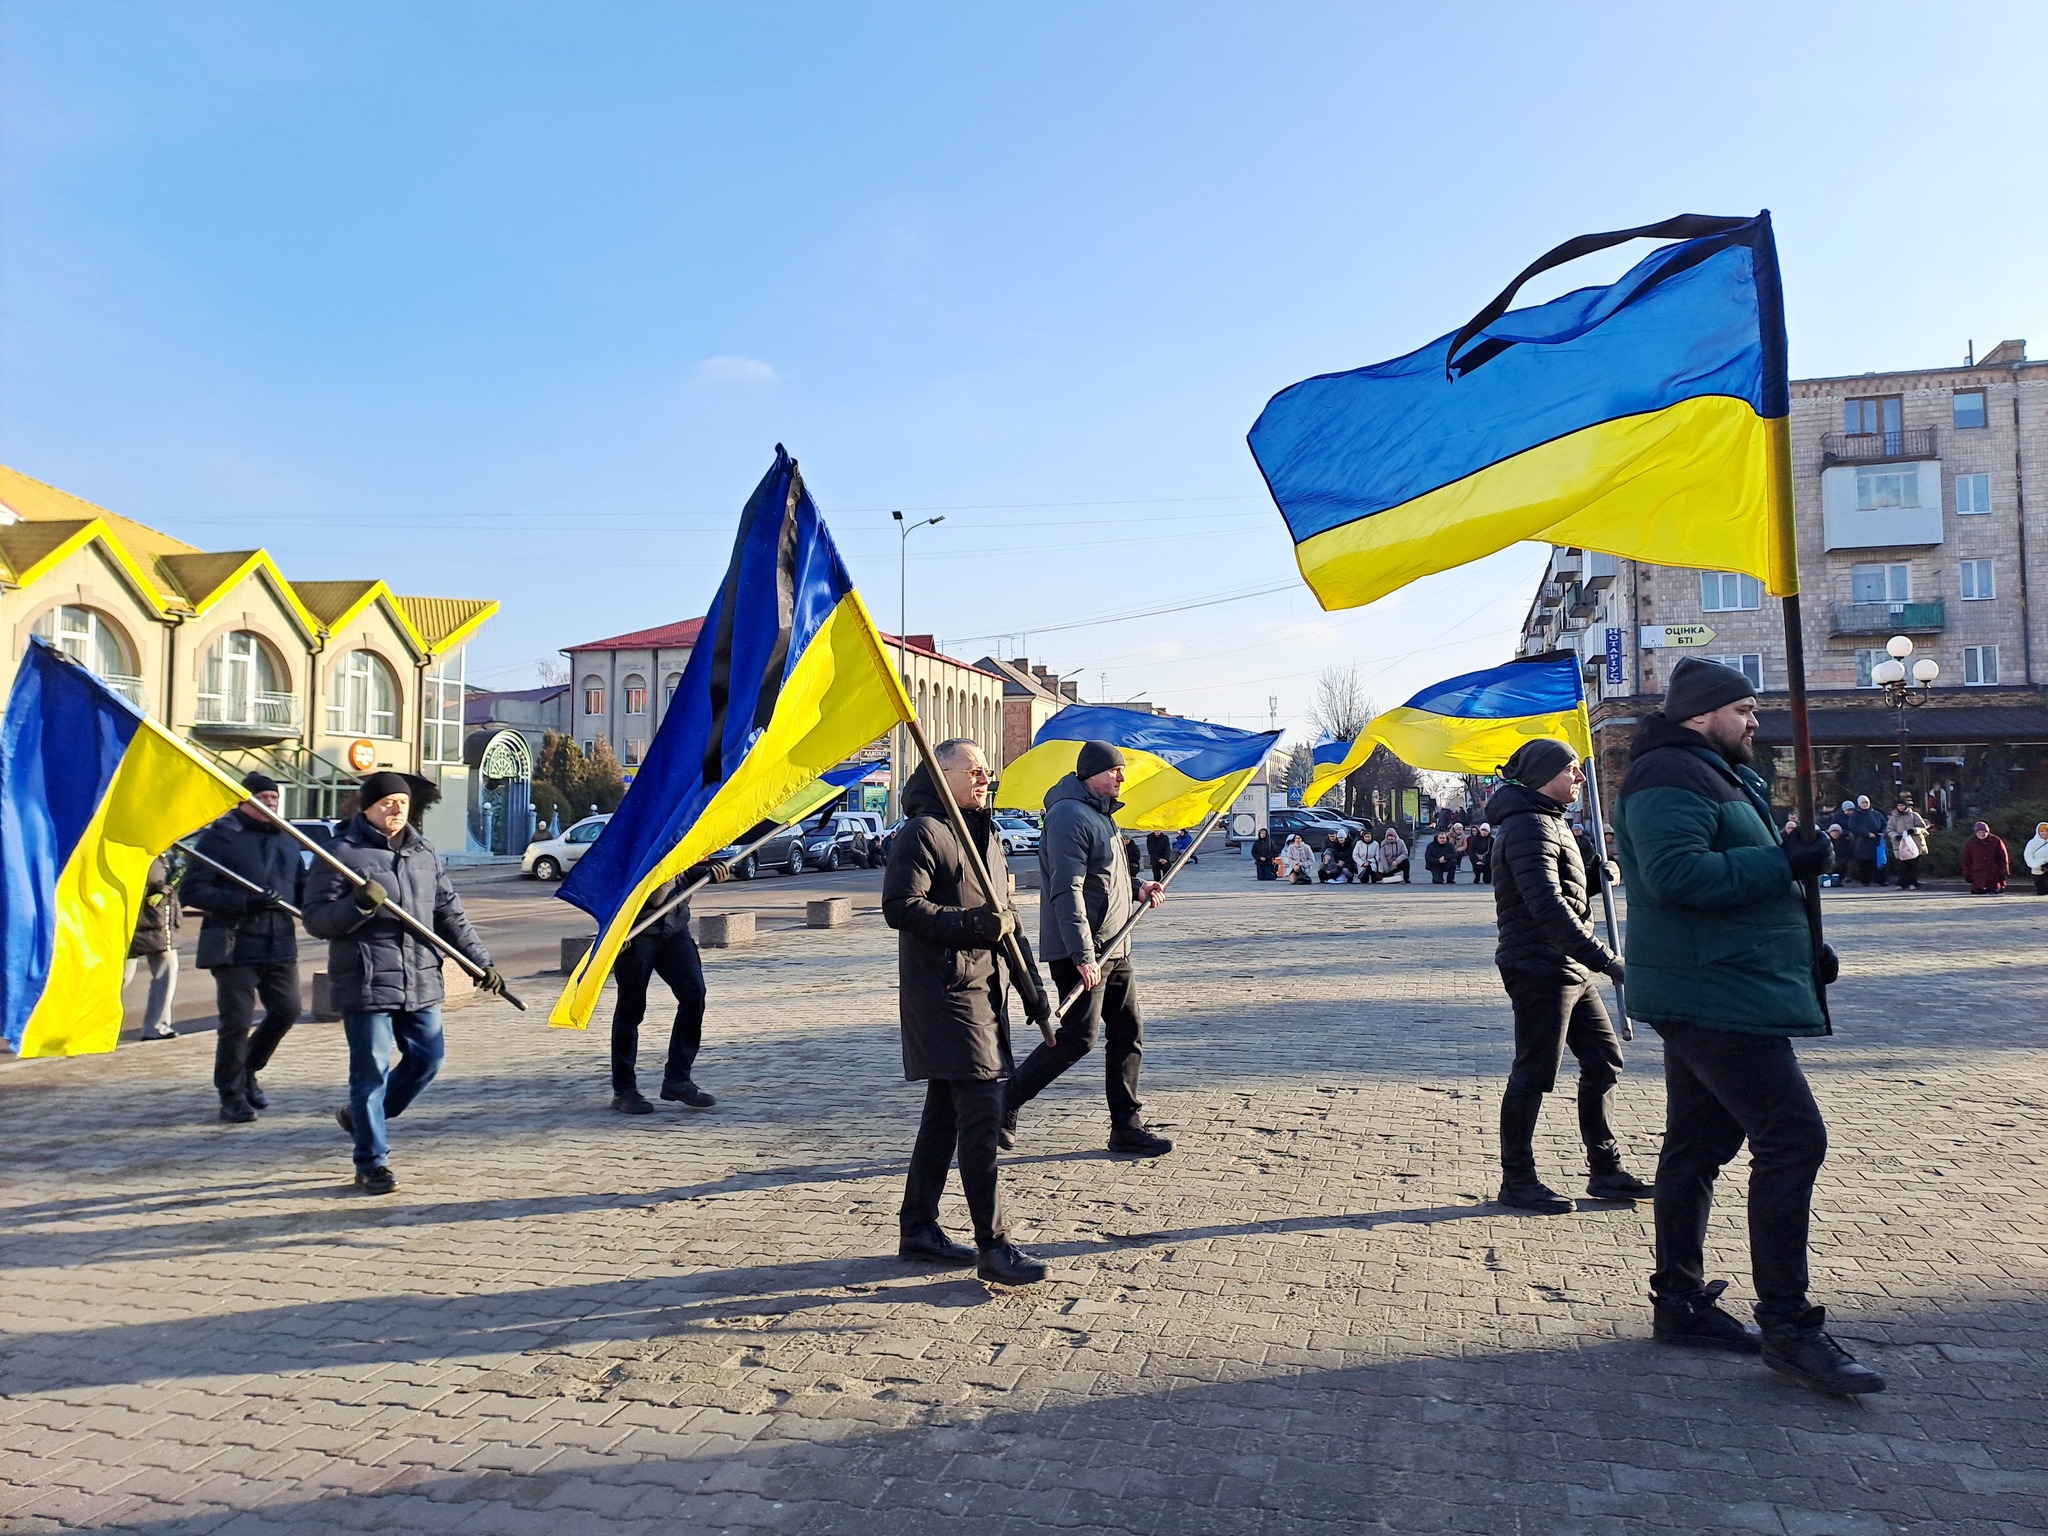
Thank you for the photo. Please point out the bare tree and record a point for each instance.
(552, 673)
(1341, 710)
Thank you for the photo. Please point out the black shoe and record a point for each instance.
(159, 1034)
(236, 1110)
(1697, 1322)
(254, 1093)
(1006, 1133)
(1007, 1264)
(689, 1093)
(929, 1244)
(345, 1120)
(376, 1181)
(1618, 1184)
(1529, 1193)
(1803, 1351)
(631, 1103)
(1135, 1141)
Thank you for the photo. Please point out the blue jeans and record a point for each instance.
(378, 1091)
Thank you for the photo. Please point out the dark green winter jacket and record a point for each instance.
(1717, 931)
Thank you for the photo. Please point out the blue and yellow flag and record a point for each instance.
(1469, 724)
(1176, 772)
(91, 791)
(788, 679)
(1646, 419)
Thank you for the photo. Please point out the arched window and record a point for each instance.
(923, 715)
(242, 682)
(949, 713)
(593, 695)
(668, 689)
(86, 635)
(635, 689)
(362, 697)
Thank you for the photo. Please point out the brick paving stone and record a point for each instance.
(1308, 1320)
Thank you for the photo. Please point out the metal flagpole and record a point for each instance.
(1035, 1005)
(242, 880)
(1628, 1030)
(1131, 922)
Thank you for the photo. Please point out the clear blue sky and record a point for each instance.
(515, 300)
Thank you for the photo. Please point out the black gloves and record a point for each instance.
(992, 927)
(370, 896)
(1830, 965)
(1616, 974)
(491, 981)
(1809, 853)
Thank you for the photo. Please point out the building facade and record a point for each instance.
(314, 682)
(1920, 501)
(1031, 696)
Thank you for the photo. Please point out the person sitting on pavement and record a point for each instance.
(1336, 861)
(1440, 858)
(1367, 860)
(1987, 862)
(1479, 849)
(1548, 955)
(669, 949)
(2036, 856)
(1393, 857)
(1266, 856)
(1296, 860)
(1723, 964)
(386, 979)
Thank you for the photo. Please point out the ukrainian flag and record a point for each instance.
(1646, 419)
(1176, 772)
(90, 792)
(1470, 724)
(788, 679)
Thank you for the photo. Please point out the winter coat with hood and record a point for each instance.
(157, 926)
(1987, 862)
(376, 964)
(1865, 827)
(239, 927)
(2036, 851)
(953, 982)
(1717, 930)
(1085, 881)
(1542, 901)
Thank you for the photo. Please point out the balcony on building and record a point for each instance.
(247, 718)
(1601, 571)
(1877, 447)
(1580, 602)
(1922, 618)
(130, 688)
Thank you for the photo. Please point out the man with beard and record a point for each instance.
(1722, 962)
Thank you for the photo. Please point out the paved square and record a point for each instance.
(1307, 1319)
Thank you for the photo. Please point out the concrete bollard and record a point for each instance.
(725, 930)
(324, 1011)
(828, 912)
(1025, 879)
(573, 951)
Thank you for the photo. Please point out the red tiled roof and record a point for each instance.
(661, 637)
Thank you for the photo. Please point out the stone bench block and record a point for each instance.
(573, 951)
(725, 930)
(1025, 879)
(829, 912)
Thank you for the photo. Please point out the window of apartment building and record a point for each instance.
(1865, 660)
(636, 749)
(1879, 416)
(1729, 591)
(635, 689)
(1980, 666)
(1749, 664)
(1881, 584)
(588, 747)
(1882, 486)
(1969, 408)
(441, 707)
(593, 696)
(1973, 493)
(92, 639)
(1976, 584)
(362, 697)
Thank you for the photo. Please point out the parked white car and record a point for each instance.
(1018, 835)
(550, 858)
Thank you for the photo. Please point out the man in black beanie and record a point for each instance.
(1548, 956)
(1087, 883)
(1723, 963)
(248, 941)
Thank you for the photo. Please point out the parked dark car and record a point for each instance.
(1314, 827)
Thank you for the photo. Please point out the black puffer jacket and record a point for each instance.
(374, 962)
(1540, 898)
(157, 925)
(953, 983)
(1083, 897)
(238, 928)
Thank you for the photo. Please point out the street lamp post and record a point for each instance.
(1899, 695)
(899, 745)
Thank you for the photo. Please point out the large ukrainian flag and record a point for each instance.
(1646, 419)
(1469, 724)
(1176, 771)
(788, 679)
(91, 791)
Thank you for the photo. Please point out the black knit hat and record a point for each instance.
(1096, 757)
(1536, 763)
(378, 785)
(1699, 687)
(259, 783)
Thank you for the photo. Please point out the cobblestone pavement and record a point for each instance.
(1307, 1319)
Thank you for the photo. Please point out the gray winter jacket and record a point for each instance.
(374, 963)
(1084, 875)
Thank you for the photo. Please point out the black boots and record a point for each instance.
(928, 1243)
(1004, 1263)
(376, 1181)
(1133, 1140)
(1519, 1186)
(1697, 1322)
(1802, 1350)
(687, 1092)
(235, 1109)
(1617, 1183)
(630, 1102)
(251, 1091)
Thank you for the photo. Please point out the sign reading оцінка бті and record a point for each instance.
(1657, 637)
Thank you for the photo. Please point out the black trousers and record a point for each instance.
(1721, 1088)
(1909, 874)
(1555, 1011)
(961, 1118)
(1110, 1010)
(239, 1050)
(674, 957)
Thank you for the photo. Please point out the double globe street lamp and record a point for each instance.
(1890, 675)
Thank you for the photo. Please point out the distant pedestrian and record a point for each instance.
(1184, 846)
(1393, 857)
(2036, 855)
(1296, 860)
(1479, 849)
(1907, 831)
(156, 941)
(1440, 858)
(1159, 849)
(1865, 826)
(668, 949)
(1987, 863)
(1266, 856)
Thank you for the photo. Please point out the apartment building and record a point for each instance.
(1921, 503)
(1032, 695)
